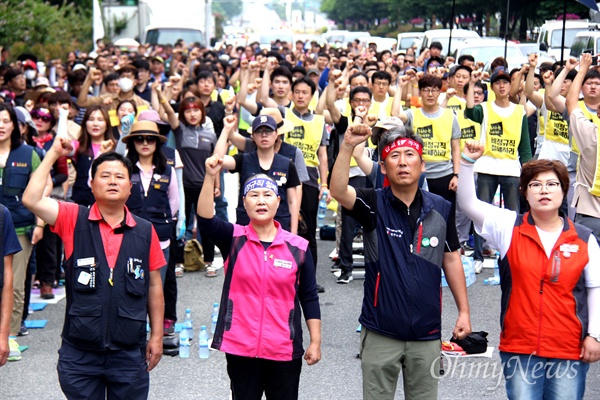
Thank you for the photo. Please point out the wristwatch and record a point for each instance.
(593, 336)
(456, 175)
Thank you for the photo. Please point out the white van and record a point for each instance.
(443, 36)
(407, 40)
(586, 42)
(550, 37)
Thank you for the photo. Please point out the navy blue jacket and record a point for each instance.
(402, 294)
(14, 181)
(154, 206)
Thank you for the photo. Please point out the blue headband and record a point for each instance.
(255, 183)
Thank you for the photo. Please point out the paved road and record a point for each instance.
(337, 376)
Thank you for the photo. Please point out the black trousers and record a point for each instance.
(309, 208)
(47, 257)
(348, 228)
(191, 198)
(250, 377)
(170, 284)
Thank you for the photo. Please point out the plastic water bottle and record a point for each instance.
(322, 210)
(184, 344)
(203, 342)
(214, 317)
(494, 280)
(188, 325)
(497, 268)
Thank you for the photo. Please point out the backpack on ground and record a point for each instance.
(193, 257)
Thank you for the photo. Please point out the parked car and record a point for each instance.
(409, 39)
(383, 43)
(550, 37)
(443, 36)
(586, 42)
(486, 50)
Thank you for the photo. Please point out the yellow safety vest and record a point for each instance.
(557, 129)
(383, 109)
(436, 134)
(306, 136)
(503, 135)
(595, 189)
(469, 130)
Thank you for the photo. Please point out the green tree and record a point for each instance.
(46, 30)
(227, 8)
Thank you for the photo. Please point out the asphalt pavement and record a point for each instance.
(336, 377)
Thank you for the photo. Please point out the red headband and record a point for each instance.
(191, 105)
(402, 142)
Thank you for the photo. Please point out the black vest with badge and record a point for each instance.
(82, 194)
(100, 316)
(279, 172)
(169, 152)
(14, 181)
(153, 206)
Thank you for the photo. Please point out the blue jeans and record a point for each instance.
(531, 377)
(486, 189)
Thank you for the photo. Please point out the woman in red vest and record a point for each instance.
(550, 310)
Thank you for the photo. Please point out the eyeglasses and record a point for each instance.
(264, 132)
(430, 91)
(551, 186)
(381, 83)
(44, 118)
(478, 93)
(147, 139)
(409, 61)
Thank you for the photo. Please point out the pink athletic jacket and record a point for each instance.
(260, 313)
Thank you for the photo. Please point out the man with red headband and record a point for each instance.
(408, 241)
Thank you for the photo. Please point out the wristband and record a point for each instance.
(324, 185)
(163, 101)
(40, 226)
(467, 158)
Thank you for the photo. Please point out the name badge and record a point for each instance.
(83, 262)
(84, 278)
(282, 264)
(569, 248)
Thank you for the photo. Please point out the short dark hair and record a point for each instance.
(430, 81)
(60, 97)
(206, 75)
(465, 57)
(356, 75)
(384, 75)
(111, 156)
(478, 84)
(15, 135)
(306, 81)
(128, 68)
(436, 45)
(299, 69)
(592, 73)
(533, 168)
(141, 63)
(282, 71)
(360, 89)
(323, 54)
(109, 78)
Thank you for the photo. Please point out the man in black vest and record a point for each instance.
(112, 283)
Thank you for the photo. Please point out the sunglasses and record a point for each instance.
(44, 118)
(147, 139)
